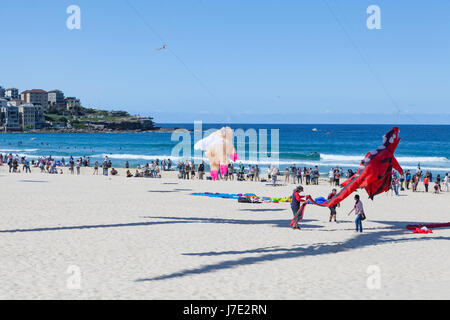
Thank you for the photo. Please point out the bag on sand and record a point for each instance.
(244, 200)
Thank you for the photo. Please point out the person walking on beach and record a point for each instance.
(333, 208)
(296, 201)
(359, 211)
(446, 182)
(95, 168)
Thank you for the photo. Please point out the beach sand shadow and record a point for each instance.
(172, 220)
(284, 223)
(360, 240)
(169, 191)
(262, 210)
(97, 226)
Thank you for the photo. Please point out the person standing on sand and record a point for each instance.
(78, 167)
(286, 175)
(71, 166)
(274, 175)
(95, 168)
(446, 182)
(359, 211)
(333, 208)
(407, 179)
(201, 170)
(331, 176)
(316, 175)
(426, 181)
(438, 181)
(299, 175)
(257, 173)
(416, 182)
(296, 201)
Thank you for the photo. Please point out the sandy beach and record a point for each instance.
(140, 238)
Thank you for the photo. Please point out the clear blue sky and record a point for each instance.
(262, 61)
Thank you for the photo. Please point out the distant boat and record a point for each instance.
(32, 139)
(315, 130)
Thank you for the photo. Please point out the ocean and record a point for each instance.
(304, 145)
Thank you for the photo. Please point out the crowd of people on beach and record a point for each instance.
(189, 170)
(409, 181)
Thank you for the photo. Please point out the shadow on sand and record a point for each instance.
(262, 210)
(172, 220)
(360, 240)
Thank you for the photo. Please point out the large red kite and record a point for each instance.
(374, 174)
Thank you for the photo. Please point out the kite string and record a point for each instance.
(184, 64)
(366, 62)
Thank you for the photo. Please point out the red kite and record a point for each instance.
(374, 174)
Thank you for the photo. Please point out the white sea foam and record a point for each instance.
(18, 150)
(336, 157)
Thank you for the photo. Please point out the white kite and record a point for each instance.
(218, 146)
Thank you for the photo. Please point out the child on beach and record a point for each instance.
(359, 211)
(436, 188)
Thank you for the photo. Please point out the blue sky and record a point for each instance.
(286, 61)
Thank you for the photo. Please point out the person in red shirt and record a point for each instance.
(426, 181)
(297, 199)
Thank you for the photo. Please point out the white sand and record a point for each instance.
(149, 239)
